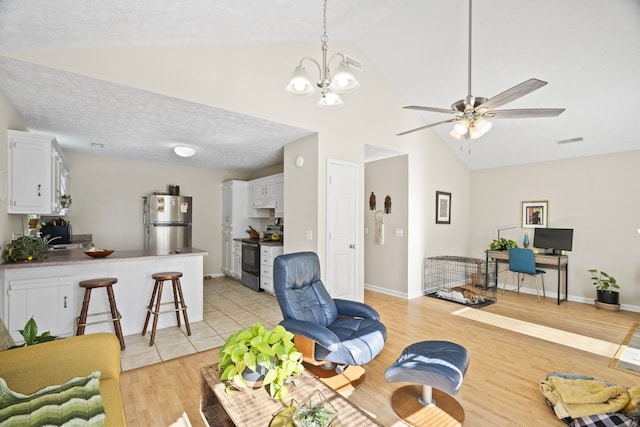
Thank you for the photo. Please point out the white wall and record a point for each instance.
(107, 201)
(251, 79)
(385, 265)
(598, 197)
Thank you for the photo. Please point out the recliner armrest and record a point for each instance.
(321, 335)
(356, 309)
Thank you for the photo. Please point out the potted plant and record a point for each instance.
(606, 286)
(26, 248)
(502, 244)
(260, 354)
(30, 335)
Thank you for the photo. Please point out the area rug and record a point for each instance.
(557, 336)
(628, 355)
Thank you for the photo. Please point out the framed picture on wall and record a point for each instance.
(443, 207)
(535, 214)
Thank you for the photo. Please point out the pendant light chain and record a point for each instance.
(324, 38)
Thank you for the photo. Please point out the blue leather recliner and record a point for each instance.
(345, 332)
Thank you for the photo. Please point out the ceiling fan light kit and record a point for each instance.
(343, 80)
(471, 114)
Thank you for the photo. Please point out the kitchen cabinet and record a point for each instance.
(37, 174)
(279, 192)
(235, 222)
(236, 271)
(48, 290)
(268, 254)
(49, 299)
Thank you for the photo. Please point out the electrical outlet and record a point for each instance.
(399, 232)
(309, 235)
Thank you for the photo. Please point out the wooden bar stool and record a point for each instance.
(107, 283)
(178, 302)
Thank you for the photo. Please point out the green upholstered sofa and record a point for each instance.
(29, 369)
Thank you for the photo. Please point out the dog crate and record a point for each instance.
(460, 279)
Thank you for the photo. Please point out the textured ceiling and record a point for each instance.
(96, 117)
(588, 51)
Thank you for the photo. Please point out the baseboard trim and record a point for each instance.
(549, 294)
(385, 291)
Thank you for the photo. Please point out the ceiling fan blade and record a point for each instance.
(525, 113)
(512, 94)
(434, 109)
(427, 126)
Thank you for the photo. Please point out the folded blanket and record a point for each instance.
(576, 398)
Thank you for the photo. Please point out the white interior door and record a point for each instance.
(342, 180)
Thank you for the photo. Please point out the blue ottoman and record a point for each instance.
(439, 366)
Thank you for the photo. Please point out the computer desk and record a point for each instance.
(557, 262)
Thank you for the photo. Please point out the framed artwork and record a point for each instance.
(443, 207)
(535, 214)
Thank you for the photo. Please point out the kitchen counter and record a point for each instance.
(265, 242)
(75, 256)
(48, 290)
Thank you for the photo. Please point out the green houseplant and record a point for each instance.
(26, 248)
(30, 334)
(502, 244)
(260, 352)
(606, 286)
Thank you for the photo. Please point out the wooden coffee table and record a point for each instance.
(254, 407)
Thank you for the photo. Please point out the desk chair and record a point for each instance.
(523, 261)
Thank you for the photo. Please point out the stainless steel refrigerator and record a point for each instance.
(167, 222)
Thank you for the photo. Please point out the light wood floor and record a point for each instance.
(500, 387)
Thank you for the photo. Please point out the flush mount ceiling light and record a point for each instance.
(184, 151)
(342, 81)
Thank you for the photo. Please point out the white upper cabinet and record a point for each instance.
(37, 174)
(268, 193)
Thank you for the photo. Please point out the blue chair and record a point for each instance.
(522, 261)
(341, 332)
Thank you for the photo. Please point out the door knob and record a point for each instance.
(352, 246)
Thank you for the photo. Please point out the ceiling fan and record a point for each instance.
(471, 114)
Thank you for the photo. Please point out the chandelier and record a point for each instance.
(342, 81)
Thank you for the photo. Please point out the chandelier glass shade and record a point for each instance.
(341, 80)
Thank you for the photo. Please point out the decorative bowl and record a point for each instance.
(99, 253)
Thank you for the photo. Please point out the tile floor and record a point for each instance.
(228, 306)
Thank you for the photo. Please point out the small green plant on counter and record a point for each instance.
(257, 348)
(26, 248)
(502, 244)
(30, 335)
(603, 281)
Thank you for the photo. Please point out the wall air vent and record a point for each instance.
(571, 140)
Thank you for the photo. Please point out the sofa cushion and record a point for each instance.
(77, 402)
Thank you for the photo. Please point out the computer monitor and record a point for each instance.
(553, 239)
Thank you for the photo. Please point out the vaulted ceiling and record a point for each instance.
(587, 50)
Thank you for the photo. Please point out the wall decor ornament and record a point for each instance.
(535, 214)
(372, 202)
(443, 207)
(387, 204)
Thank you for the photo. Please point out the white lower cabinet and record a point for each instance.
(268, 253)
(237, 260)
(48, 299)
(52, 295)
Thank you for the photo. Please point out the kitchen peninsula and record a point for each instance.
(48, 290)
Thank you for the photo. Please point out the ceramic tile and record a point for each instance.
(174, 351)
(139, 360)
(228, 306)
